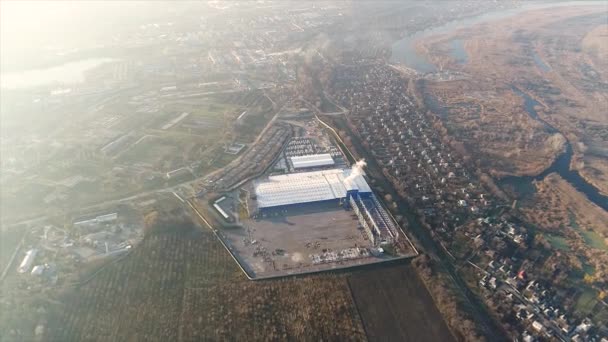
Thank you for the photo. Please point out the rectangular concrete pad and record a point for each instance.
(325, 226)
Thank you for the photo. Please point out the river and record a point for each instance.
(540, 63)
(561, 165)
(458, 52)
(404, 52)
(64, 74)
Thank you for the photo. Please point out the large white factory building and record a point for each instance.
(344, 186)
(307, 187)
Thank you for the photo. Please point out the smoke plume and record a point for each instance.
(356, 170)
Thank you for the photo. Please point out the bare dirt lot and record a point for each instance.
(288, 242)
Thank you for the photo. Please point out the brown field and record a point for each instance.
(394, 303)
(595, 171)
(513, 142)
(595, 43)
(560, 68)
(185, 287)
(556, 198)
(559, 209)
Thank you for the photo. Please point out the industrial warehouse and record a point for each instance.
(310, 210)
(321, 219)
(312, 160)
(304, 187)
(346, 187)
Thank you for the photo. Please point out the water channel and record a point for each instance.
(561, 165)
(540, 63)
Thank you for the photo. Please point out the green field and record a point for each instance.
(522, 188)
(8, 241)
(594, 240)
(588, 269)
(213, 113)
(557, 242)
(150, 149)
(586, 301)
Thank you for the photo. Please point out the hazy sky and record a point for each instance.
(29, 28)
(26, 22)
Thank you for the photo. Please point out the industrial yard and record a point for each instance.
(309, 212)
(293, 241)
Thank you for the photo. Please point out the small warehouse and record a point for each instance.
(312, 160)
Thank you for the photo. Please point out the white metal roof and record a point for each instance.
(38, 270)
(220, 210)
(27, 261)
(307, 187)
(312, 160)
